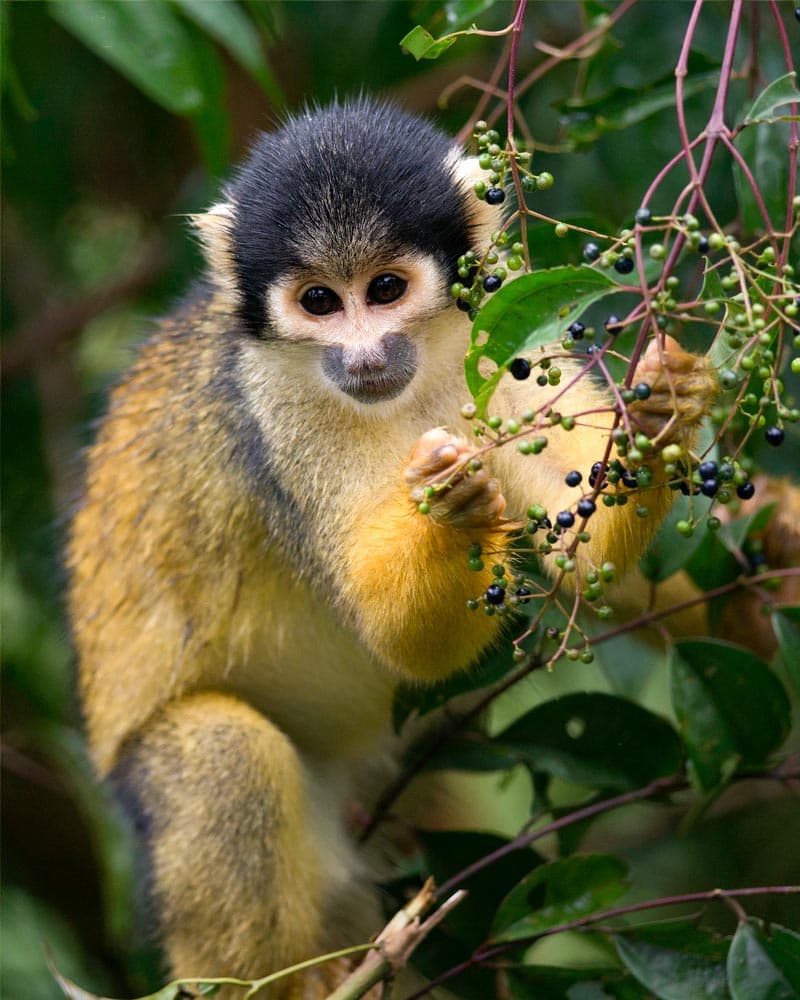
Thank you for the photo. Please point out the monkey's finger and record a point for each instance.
(489, 508)
(468, 490)
(434, 452)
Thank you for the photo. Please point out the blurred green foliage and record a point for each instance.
(118, 120)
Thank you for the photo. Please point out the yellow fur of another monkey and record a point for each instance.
(250, 578)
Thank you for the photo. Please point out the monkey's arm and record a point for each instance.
(682, 387)
(407, 574)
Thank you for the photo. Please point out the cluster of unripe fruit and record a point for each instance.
(482, 274)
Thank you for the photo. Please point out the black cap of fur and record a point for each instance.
(339, 188)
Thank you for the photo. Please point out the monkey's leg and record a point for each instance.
(217, 794)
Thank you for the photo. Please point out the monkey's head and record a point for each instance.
(342, 231)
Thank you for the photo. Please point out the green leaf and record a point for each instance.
(761, 967)
(595, 739)
(461, 14)
(448, 853)
(781, 91)
(682, 963)
(232, 28)
(623, 107)
(422, 45)
(719, 354)
(737, 531)
(669, 552)
(712, 563)
(528, 313)
(786, 623)
(476, 754)
(764, 148)
(146, 42)
(730, 707)
(558, 893)
(549, 982)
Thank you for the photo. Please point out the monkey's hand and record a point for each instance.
(682, 387)
(470, 499)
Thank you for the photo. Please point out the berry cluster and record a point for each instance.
(484, 273)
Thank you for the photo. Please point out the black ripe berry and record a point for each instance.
(709, 487)
(707, 470)
(629, 480)
(520, 368)
(576, 330)
(643, 216)
(598, 470)
(591, 251)
(745, 491)
(702, 246)
(623, 265)
(524, 594)
(491, 283)
(463, 305)
(774, 436)
(495, 196)
(797, 13)
(586, 507)
(573, 478)
(612, 324)
(495, 594)
(565, 519)
(642, 391)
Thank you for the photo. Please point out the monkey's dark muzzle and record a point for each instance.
(373, 373)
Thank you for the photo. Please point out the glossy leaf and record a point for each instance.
(454, 15)
(548, 982)
(146, 42)
(761, 967)
(626, 106)
(558, 893)
(422, 45)
(668, 552)
(530, 312)
(686, 965)
(730, 707)
(712, 563)
(476, 754)
(595, 739)
(448, 853)
(232, 28)
(786, 623)
(764, 148)
(779, 92)
(720, 353)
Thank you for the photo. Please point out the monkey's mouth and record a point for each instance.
(374, 374)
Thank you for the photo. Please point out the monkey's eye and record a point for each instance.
(385, 288)
(320, 301)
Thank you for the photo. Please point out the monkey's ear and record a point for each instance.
(483, 217)
(215, 230)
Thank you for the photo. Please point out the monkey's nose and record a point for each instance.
(363, 360)
(374, 372)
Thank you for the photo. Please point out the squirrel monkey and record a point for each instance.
(249, 575)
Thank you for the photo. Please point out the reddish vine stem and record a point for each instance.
(707, 896)
(660, 786)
